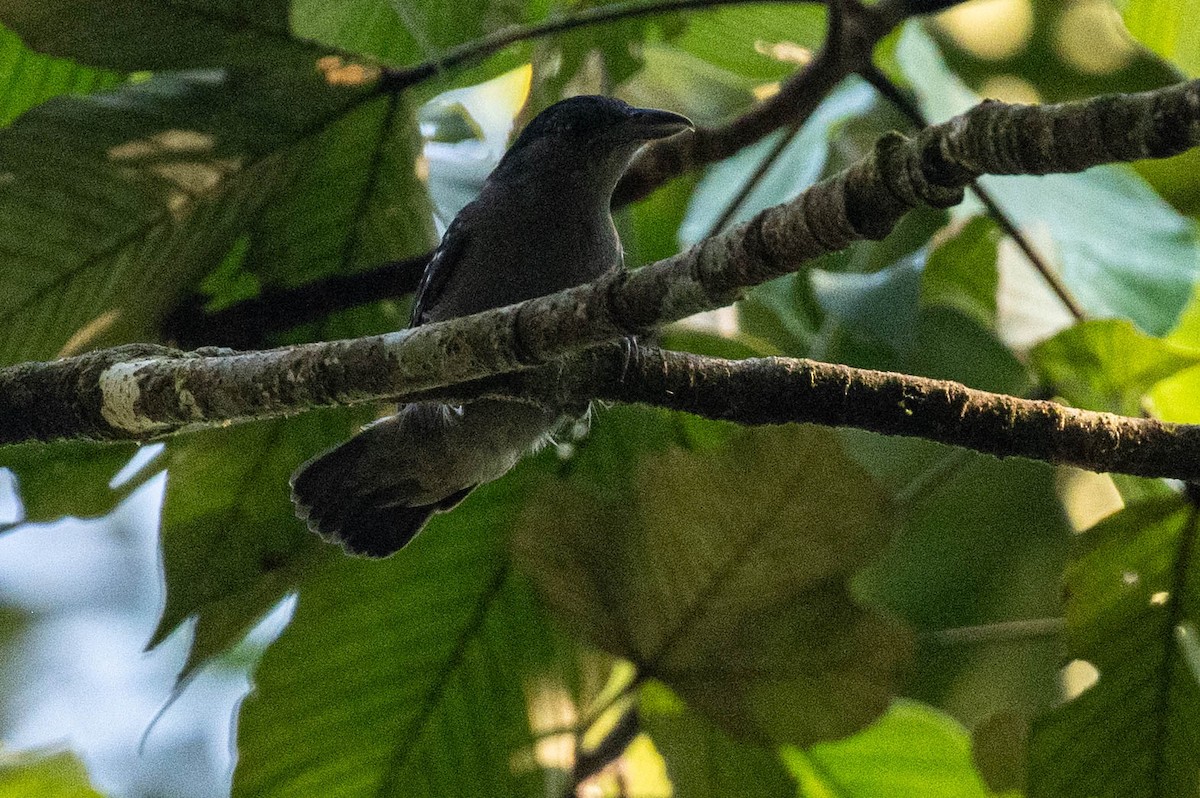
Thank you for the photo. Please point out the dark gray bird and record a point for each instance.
(540, 224)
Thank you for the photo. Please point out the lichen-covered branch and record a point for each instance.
(783, 390)
(143, 392)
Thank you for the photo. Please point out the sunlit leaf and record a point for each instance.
(691, 745)
(912, 752)
(1108, 365)
(1168, 27)
(45, 776)
(27, 78)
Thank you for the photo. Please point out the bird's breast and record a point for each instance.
(525, 250)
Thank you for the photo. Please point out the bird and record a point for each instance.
(541, 223)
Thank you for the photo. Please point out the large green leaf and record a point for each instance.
(414, 676)
(912, 752)
(45, 776)
(723, 574)
(763, 43)
(353, 201)
(983, 544)
(1121, 250)
(960, 272)
(118, 202)
(69, 478)
(1132, 614)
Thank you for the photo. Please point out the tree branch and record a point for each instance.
(142, 391)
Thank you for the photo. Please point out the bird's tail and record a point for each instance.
(375, 492)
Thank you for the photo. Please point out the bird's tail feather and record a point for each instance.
(374, 493)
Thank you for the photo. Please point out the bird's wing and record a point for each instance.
(440, 267)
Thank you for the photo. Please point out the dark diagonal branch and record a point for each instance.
(141, 393)
(243, 325)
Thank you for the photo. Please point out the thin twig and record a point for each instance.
(1000, 632)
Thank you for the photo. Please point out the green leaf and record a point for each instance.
(1131, 613)
(1168, 27)
(415, 676)
(67, 478)
(912, 752)
(723, 574)
(881, 306)
(692, 747)
(118, 202)
(232, 546)
(673, 78)
(1108, 364)
(45, 775)
(1121, 250)
(745, 40)
(983, 543)
(960, 272)
(353, 201)
(27, 79)
(952, 345)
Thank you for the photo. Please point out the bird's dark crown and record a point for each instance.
(581, 117)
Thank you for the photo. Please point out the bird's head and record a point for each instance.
(591, 134)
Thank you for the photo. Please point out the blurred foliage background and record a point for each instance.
(683, 607)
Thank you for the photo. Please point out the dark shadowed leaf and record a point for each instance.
(983, 543)
(352, 202)
(131, 35)
(702, 760)
(723, 574)
(115, 203)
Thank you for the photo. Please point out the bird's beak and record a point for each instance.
(651, 123)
